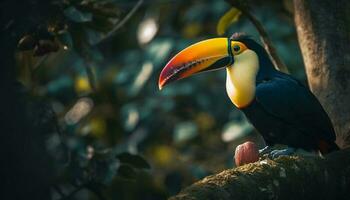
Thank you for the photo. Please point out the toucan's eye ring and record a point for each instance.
(236, 48)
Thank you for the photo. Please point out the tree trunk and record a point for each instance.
(323, 29)
(283, 178)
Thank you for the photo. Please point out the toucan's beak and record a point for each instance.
(203, 56)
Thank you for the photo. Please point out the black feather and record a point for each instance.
(284, 111)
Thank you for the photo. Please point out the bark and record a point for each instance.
(284, 178)
(323, 29)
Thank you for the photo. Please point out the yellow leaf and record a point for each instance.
(163, 155)
(227, 19)
(98, 126)
(204, 121)
(82, 84)
(192, 30)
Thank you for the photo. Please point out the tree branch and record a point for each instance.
(277, 62)
(123, 21)
(292, 177)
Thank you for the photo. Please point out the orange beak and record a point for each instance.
(203, 56)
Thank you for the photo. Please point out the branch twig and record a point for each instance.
(87, 60)
(123, 21)
(277, 62)
(271, 50)
(90, 73)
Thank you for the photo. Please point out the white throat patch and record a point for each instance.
(241, 76)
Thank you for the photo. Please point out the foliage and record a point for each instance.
(227, 19)
(127, 140)
(77, 22)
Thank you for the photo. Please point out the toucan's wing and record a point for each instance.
(288, 100)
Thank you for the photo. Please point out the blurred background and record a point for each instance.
(119, 137)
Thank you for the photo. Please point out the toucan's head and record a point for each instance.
(209, 55)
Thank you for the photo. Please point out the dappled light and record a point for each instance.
(80, 109)
(147, 30)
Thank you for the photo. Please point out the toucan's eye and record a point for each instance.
(236, 48)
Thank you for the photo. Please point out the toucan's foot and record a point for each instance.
(282, 152)
(265, 150)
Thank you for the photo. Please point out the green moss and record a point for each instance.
(287, 177)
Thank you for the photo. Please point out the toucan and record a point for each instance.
(282, 109)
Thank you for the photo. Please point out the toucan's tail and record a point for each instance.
(326, 147)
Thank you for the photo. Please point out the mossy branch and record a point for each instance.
(294, 177)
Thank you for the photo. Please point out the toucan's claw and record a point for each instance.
(265, 150)
(281, 152)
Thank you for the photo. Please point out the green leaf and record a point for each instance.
(101, 24)
(77, 16)
(227, 19)
(134, 160)
(27, 42)
(126, 171)
(101, 8)
(93, 37)
(65, 39)
(80, 43)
